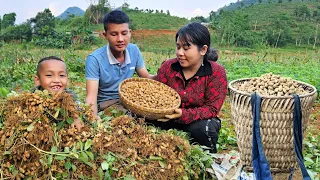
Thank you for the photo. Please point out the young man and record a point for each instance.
(52, 75)
(109, 65)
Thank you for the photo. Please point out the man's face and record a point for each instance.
(52, 76)
(118, 36)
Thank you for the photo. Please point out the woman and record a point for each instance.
(200, 82)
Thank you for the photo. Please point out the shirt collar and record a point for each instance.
(113, 60)
(204, 70)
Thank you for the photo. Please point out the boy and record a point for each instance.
(109, 65)
(52, 75)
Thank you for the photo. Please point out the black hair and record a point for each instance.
(212, 54)
(198, 35)
(46, 59)
(116, 17)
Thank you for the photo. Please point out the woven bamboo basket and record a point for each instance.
(276, 125)
(148, 113)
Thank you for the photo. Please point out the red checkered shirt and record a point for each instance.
(203, 95)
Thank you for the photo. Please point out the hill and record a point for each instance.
(246, 3)
(145, 20)
(272, 24)
(71, 11)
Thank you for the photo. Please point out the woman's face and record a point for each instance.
(189, 55)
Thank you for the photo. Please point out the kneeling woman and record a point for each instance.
(200, 82)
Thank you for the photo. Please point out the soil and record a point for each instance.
(145, 32)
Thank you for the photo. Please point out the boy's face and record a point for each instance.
(52, 76)
(118, 36)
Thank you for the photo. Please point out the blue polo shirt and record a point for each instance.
(102, 66)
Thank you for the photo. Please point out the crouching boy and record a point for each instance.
(52, 76)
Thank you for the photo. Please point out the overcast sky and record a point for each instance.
(26, 9)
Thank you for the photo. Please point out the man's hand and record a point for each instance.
(78, 124)
(177, 114)
(163, 120)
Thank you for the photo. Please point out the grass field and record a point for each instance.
(18, 65)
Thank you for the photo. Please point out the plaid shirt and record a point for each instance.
(203, 95)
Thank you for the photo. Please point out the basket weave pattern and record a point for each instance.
(149, 113)
(276, 125)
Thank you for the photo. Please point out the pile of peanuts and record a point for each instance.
(272, 85)
(150, 95)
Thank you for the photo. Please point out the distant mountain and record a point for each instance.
(71, 10)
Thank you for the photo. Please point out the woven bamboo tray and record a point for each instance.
(148, 113)
(276, 125)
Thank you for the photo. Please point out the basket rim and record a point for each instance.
(272, 97)
(153, 110)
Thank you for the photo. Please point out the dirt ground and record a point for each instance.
(146, 32)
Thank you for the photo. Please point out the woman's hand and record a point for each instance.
(177, 114)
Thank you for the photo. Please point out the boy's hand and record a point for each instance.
(78, 124)
(177, 114)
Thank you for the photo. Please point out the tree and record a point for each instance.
(302, 12)
(44, 23)
(95, 13)
(168, 12)
(279, 1)
(198, 19)
(19, 32)
(125, 6)
(8, 20)
(260, 1)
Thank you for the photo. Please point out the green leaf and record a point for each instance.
(155, 158)
(114, 111)
(7, 153)
(83, 157)
(70, 120)
(60, 158)
(128, 177)
(104, 165)
(67, 165)
(76, 155)
(88, 144)
(81, 145)
(11, 168)
(30, 127)
(57, 113)
(107, 118)
(66, 149)
(74, 168)
(308, 159)
(60, 125)
(89, 164)
(65, 175)
(90, 154)
(100, 172)
(180, 147)
(205, 158)
(54, 149)
(49, 160)
(107, 176)
(163, 163)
